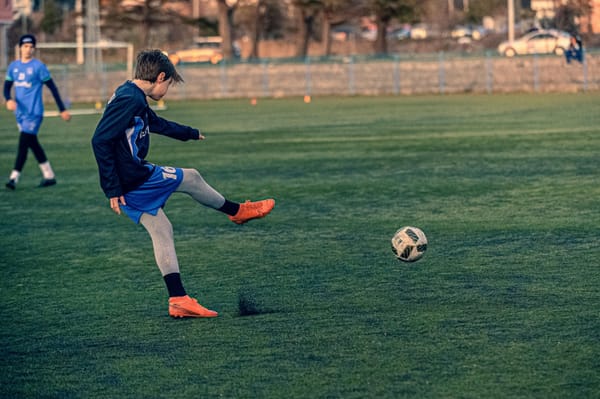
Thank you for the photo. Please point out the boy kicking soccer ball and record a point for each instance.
(139, 188)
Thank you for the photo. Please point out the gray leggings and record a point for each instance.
(160, 229)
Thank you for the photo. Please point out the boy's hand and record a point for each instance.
(65, 115)
(201, 137)
(11, 105)
(115, 202)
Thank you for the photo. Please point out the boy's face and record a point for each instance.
(27, 50)
(160, 88)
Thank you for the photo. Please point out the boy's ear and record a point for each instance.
(161, 77)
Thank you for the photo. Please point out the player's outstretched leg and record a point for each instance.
(193, 184)
(186, 306)
(253, 210)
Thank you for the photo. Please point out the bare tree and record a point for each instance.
(336, 12)
(258, 17)
(481, 8)
(308, 11)
(567, 15)
(143, 17)
(52, 19)
(226, 12)
(385, 11)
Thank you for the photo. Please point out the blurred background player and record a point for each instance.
(28, 75)
(139, 188)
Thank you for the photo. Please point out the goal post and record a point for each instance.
(102, 45)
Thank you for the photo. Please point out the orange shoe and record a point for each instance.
(253, 210)
(186, 306)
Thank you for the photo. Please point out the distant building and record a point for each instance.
(22, 8)
(6, 19)
(546, 9)
(6, 12)
(591, 24)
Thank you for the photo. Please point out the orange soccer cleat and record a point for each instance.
(253, 210)
(186, 306)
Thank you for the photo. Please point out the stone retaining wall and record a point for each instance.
(437, 74)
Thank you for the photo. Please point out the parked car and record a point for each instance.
(206, 49)
(537, 42)
(399, 33)
(418, 31)
(473, 32)
(460, 31)
(343, 33)
(369, 33)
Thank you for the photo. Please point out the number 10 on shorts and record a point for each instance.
(168, 173)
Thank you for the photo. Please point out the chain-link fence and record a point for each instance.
(441, 73)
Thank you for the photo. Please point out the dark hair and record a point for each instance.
(150, 63)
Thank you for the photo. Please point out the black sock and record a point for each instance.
(230, 208)
(174, 284)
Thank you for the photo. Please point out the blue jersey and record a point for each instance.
(122, 140)
(28, 80)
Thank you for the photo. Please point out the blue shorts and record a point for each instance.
(154, 193)
(29, 123)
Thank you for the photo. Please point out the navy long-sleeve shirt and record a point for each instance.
(121, 140)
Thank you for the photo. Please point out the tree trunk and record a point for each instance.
(254, 54)
(381, 41)
(326, 33)
(225, 28)
(304, 32)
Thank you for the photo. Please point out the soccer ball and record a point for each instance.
(409, 244)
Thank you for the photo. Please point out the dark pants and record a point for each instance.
(27, 141)
(574, 54)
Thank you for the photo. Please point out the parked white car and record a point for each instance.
(537, 42)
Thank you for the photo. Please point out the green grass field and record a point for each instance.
(505, 303)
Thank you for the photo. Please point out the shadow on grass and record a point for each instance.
(248, 305)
